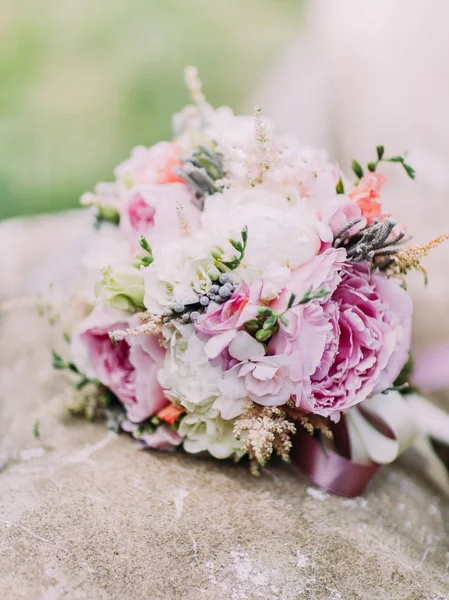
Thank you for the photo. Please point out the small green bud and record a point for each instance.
(143, 242)
(371, 167)
(213, 273)
(252, 326)
(356, 167)
(263, 335)
(340, 188)
(265, 311)
(380, 152)
(236, 244)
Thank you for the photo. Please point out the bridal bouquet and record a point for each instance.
(252, 301)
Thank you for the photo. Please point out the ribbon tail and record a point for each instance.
(433, 468)
(433, 421)
(368, 442)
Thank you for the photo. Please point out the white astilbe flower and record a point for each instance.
(263, 430)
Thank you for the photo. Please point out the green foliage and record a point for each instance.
(266, 324)
(357, 168)
(372, 166)
(235, 261)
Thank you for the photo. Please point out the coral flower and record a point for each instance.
(366, 195)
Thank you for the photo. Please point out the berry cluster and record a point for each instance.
(221, 290)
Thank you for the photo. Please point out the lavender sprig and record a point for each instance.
(201, 171)
(371, 243)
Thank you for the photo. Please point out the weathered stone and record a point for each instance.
(84, 515)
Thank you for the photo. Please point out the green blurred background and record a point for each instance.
(83, 82)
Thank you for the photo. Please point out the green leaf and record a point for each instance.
(292, 299)
(395, 159)
(380, 152)
(57, 361)
(357, 168)
(340, 188)
(270, 322)
(409, 170)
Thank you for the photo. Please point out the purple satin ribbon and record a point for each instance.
(333, 472)
(336, 472)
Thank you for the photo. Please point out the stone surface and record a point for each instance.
(84, 515)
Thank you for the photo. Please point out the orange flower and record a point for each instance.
(165, 172)
(170, 413)
(366, 193)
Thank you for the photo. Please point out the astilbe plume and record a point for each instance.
(410, 258)
(264, 429)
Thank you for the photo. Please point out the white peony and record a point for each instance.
(283, 232)
(189, 379)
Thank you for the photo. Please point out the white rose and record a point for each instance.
(205, 430)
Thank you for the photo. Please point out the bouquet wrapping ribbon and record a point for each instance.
(365, 438)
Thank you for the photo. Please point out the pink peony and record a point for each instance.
(158, 212)
(362, 332)
(152, 165)
(128, 370)
(222, 321)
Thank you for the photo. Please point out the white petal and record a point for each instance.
(245, 347)
(218, 343)
(230, 408)
(264, 372)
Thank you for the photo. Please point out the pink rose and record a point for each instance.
(222, 321)
(158, 212)
(150, 165)
(128, 370)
